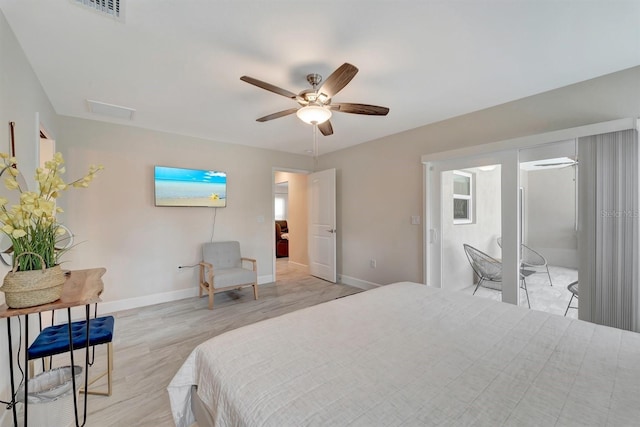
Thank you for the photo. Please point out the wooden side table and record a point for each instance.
(82, 287)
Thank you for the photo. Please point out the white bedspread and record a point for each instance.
(407, 354)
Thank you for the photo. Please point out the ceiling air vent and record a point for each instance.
(111, 8)
(111, 110)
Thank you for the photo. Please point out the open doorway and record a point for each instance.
(594, 207)
(290, 223)
(470, 216)
(281, 213)
(46, 147)
(469, 207)
(471, 233)
(549, 225)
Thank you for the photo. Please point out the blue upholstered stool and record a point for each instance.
(55, 340)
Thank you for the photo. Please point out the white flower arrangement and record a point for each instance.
(31, 224)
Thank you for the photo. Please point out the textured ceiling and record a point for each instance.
(178, 63)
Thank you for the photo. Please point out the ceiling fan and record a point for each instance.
(316, 103)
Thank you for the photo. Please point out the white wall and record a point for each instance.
(551, 207)
(23, 101)
(481, 233)
(141, 245)
(380, 183)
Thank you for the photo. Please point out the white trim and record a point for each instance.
(428, 234)
(290, 170)
(358, 283)
(298, 264)
(267, 278)
(533, 140)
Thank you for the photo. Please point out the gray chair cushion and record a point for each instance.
(222, 254)
(233, 276)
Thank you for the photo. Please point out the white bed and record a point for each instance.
(408, 354)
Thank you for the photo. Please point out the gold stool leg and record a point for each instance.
(110, 367)
(108, 373)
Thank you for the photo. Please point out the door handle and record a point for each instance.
(332, 230)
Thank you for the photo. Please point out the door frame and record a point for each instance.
(275, 169)
(509, 217)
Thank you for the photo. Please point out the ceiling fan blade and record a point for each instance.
(371, 110)
(338, 80)
(277, 115)
(268, 86)
(326, 128)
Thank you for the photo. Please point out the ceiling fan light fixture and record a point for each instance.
(321, 97)
(314, 114)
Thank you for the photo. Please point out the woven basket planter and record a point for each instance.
(34, 287)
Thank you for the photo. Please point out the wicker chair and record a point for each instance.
(489, 269)
(573, 288)
(531, 259)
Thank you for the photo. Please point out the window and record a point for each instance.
(462, 197)
(280, 207)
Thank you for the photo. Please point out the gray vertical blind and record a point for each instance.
(609, 234)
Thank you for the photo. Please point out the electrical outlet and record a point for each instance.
(415, 220)
(372, 263)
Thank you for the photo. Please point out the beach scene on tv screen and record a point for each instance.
(190, 187)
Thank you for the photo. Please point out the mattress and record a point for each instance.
(408, 354)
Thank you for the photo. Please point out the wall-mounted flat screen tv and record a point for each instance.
(190, 187)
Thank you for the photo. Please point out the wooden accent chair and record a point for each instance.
(222, 269)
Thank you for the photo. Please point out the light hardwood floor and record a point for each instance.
(151, 343)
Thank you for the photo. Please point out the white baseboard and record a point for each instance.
(298, 264)
(358, 283)
(130, 303)
(265, 279)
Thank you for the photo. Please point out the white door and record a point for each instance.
(322, 224)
